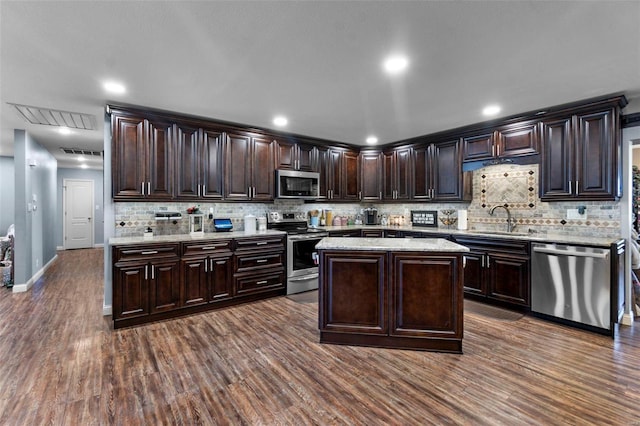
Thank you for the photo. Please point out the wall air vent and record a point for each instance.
(54, 117)
(78, 151)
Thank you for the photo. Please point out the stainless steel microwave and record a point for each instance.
(295, 184)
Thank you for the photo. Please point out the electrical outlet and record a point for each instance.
(575, 214)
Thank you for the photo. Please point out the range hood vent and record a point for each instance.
(54, 117)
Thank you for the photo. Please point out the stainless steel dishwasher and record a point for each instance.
(572, 283)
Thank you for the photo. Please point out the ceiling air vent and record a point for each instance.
(54, 117)
(78, 151)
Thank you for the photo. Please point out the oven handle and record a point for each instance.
(305, 278)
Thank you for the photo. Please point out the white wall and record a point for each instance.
(7, 194)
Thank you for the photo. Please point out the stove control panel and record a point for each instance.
(274, 217)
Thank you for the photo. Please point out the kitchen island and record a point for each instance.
(392, 293)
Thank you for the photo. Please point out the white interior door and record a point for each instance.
(78, 214)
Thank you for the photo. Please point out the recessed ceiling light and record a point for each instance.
(280, 121)
(491, 110)
(81, 158)
(64, 131)
(396, 64)
(114, 87)
(84, 166)
(372, 140)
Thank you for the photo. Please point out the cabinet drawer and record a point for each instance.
(256, 283)
(253, 261)
(262, 243)
(495, 245)
(206, 247)
(151, 251)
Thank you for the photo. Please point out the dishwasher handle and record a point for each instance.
(601, 255)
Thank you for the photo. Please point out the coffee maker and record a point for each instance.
(371, 216)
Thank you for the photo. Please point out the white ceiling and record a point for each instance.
(318, 63)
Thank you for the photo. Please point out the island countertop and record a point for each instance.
(390, 244)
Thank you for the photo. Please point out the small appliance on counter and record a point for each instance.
(222, 225)
(370, 216)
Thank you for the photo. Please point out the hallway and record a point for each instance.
(261, 363)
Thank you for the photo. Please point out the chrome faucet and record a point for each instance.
(510, 224)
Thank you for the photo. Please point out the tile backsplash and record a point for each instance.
(514, 185)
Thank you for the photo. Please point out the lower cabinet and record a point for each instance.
(346, 233)
(392, 299)
(497, 270)
(161, 280)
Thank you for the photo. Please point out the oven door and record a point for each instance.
(302, 257)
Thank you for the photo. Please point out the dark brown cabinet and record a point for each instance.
(397, 174)
(371, 175)
(509, 141)
(391, 299)
(580, 157)
(207, 272)
(295, 156)
(259, 265)
(339, 174)
(438, 173)
(142, 158)
(346, 233)
(252, 174)
(199, 153)
(146, 280)
(497, 270)
(372, 233)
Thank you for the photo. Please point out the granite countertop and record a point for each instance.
(187, 237)
(524, 236)
(393, 244)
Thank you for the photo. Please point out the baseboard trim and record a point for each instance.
(22, 288)
(107, 310)
(98, 246)
(60, 248)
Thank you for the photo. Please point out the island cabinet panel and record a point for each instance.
(424, 303)
(355, 292)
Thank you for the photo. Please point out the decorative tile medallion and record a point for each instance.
(515, 188)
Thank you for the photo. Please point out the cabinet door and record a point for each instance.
(509, 279)
(188, 158)
(422, 173)
(129, 157)
(557, 161)
(474, 273)
(194, 281)
(259, 283)
(164, 285)
(285, 155)
(323, 168)
(371, 176)
(388, 175)
(479, 147)
(237, 180)
(220, 278)
(350, 176)
(262, 169)
(447, 171)
(596, 156)
(334, 174)
(404, 173)
(306, 157)
(417, 282)
(160, 161)
(348, 274)
(130, 290)
(517, 141)
(211, 164)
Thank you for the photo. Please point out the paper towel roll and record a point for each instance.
(462, 219)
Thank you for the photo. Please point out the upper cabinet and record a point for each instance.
(438, 173)
(252, 174)
(295, 156)
(199, 152)
(509, 141)
(580, 157)
(397, 175)
(142, 158)
(339, 174)
(371, 163)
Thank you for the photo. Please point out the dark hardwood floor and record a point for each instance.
(62, 363)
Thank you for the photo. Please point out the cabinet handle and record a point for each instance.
(482, 261)
(262, 243)
(205, 265)
(249, 191)
(253, 194)
(488, 261)
(262, 282)
(203, 190)
(148, 188)
(498, 150)
(261, 261)
(142, 187)
(570, 188)
(209, 247)
(146, 274)
(360, 195)
(493, 150)
(577, 190)
(153, 272)
(211, 265)
(380, 196)
(149, 252)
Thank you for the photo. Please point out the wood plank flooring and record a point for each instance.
(62, 363)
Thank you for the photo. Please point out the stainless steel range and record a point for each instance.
(302, 258)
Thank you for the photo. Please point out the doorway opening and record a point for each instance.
(77, 223)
